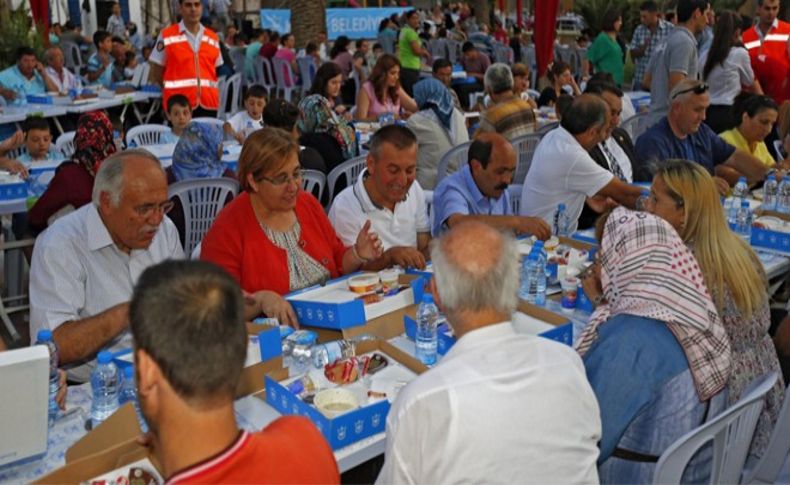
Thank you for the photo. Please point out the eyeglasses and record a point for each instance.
(698, 89)
(285, 178)
(147, 210)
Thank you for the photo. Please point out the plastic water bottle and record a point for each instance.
(770, 193)
(21, 96)
(427, 342)
(562, 223)
(533, 279)
(783, 202)
(104, 382)
(641, 202)
(297, 350)
(330, 352)
(44, 337)
(743, 221)
(129, 394)
(741, 189)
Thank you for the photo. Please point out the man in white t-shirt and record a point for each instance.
(562, 170)
(240, 125)
(500, 406)
(387, 194)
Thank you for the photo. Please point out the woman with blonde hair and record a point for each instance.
(685, 195)
(275, 238)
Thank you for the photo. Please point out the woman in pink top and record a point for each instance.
(286, 53)
(383, 92)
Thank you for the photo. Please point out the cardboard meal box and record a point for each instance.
(334, 306)
(352, 426)
(774, 241)
(114, 443)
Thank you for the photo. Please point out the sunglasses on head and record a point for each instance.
(698, 89)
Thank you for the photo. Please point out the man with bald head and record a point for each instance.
(479, 191)
(499, 403)
(563, 172)
(86, 264)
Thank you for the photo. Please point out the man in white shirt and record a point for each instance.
(86, 264)
(58, 72)
(387, 194)
(562, 170)
(499, 405)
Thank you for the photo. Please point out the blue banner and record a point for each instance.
(354, 23)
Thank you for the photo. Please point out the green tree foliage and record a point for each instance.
(17, 32)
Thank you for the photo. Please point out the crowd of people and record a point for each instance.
(681, 320)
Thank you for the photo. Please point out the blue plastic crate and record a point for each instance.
(13, 191)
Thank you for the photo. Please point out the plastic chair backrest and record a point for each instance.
(314, 182)
(350, 170)
(731, 433)
(137, 75)
(223, 97)
(17, 152)
(636, 125)
(232, 86)
(143, 135)
(202, 199)
(770, 465)
(146, 71)
(525, 146)
(238, 58)
(72, 56)
(438, 48)
(211, 121)
(453, 51)
(458, 154)
(65, 143)
(281, 67)
(307, 72)
(263, 73)
(514, 191)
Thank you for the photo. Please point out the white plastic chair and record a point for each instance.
(350, 170)
(770, 465)
(636, 125)
(534, 94)
(458, 154)
(239, 60)
(65, 143)
(514, 191)
(143, 135)
(230, 85)
(264, 75)
(525, 146)
(731, 433)
(137, 75)
(201, 199)
(72, 56)
(307, 72)
(281, 67)
(438, 48)
(314, 181)
(211, 121)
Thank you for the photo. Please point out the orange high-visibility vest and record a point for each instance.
(774, 44)
(192, 74)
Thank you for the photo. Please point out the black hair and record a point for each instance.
(752, 105)
(468, 46)
(274, 37)
(599, 87)
(310, 48)
(118, 40)
(99, 36)
(285, 38)
(409, 13)
(727, 24)
(327, 71)
(128, 57)
(359, 43)
(178, 100)
(686, 8)
(648, 6)
(255, 91)
(383, 24)
(480, 150)
(441, 63)
(70, 25)
(280, 113)
(562, 104)
(583, 113)
(340, 45)
(556, 69)
(23, 51)
(188, 316)
(35, 123)
(377, 46)
(609, 19)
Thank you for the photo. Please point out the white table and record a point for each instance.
(17, 114)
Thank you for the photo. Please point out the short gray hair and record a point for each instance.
(462, 290)
(48, 54)
(498, 78)
(686, 87)
(109, 178)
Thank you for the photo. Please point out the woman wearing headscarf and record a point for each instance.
(72, 185)
(438, 125)
(198, 155)
(656, 353)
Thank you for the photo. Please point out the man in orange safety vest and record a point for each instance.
(767, 43)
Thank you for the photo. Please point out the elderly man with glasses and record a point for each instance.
(86, 264)
(682, 134)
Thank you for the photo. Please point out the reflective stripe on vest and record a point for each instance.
(752, 45)
(188, 83)
(176, 38)
(777, 37)
(210, 41)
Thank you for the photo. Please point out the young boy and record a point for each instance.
(245, 122)
(179, 114)
(38, 141)
(100, 64)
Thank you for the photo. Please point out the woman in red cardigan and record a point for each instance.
(275, 238)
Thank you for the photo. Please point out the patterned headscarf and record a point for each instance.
(317, 116)
(647, 271)
(93, 142)
(197, 152)
(431, 93)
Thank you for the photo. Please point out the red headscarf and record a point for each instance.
(93, 141)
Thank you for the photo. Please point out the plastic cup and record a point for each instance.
(570, 292)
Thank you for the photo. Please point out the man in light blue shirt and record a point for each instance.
(479, 191)
(26, 76)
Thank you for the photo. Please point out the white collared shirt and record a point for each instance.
(158, 55)
(78, 272)
(352, 207)
(69, 81)
(500, 407)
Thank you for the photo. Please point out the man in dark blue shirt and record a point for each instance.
(682, 134)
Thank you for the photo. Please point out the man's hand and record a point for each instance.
(406, 257)
(722, 186)
(534, 226)
(275, 306)
(14, 141)
(601, 204)
(8, 94)
(14, 167)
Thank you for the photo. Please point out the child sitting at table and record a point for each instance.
(179, 114)
(129, 65)
(240, 125)
(38, 141)
(100, 63)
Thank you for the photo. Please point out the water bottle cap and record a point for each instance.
(128, 372)
(741, 179)
(645, 192)
(745, 204)
(771, 176)
(561, 206)
(427, 297)
(44, 335)
(104, 357)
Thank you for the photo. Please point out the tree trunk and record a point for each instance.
(308, 19)
(482, 11)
